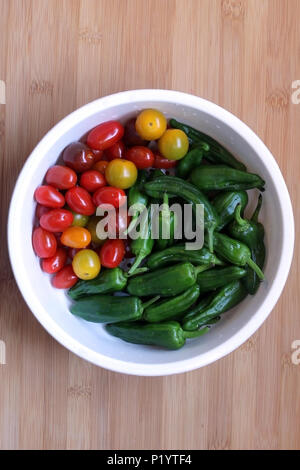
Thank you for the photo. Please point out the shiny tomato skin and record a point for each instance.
(131, 136)
(80, 201)
(65, 278)
(173, 144)
(117, 150)
(98, 155)
(121, 173)
(92, 180)
(56, 262)
(76, 237)
(48, 196)
(112, 253)
(117, 223)
(109, 195)
(100, 166)
(163, 163)
(142, 157)
(86, 264)
(41, 210)
(61, 177)
(151, 124)
(56, 220)
(78, 157)
(44, 243)
(105, 135)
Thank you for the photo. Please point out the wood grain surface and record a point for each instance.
(55, 56)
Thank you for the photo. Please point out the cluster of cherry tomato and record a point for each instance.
(97, 171)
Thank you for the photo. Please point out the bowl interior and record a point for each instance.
(51, 305)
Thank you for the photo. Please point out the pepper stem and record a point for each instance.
(195, 334)
(202, 267)
(137, 271)
(238, 218)
(137, 262)
(150, 302)
(256, 269)
(254, 217)
(131, 225)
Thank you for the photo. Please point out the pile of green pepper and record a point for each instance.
(178, 294)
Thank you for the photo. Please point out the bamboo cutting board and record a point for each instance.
(54, 57)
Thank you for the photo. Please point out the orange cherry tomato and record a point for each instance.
(76, 237)
(150, 124)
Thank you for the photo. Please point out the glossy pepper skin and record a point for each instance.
(225, 204)
(178, 253)
(108, 308)
(178, 187)
(251, 232)
(168, 335)
(192, 159)
(167, 225)
(221, 177)
(172, 307)
(108, 281)
(219, 277)
(217, 153)
(137, 196)
(226, 298)
(235, 252)
(165, 282)
(143, 245)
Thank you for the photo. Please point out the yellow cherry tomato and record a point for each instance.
(121, 173)
(173, 144)
(76, 237)
(86, 264)
(150, 124)
(92, 228)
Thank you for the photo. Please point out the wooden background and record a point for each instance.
(57, 55)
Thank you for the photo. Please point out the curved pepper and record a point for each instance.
(250, 232)
(167, 224)
(225, 204)
(165, 282)
(108, 281)
(172, 307)
(178, 187)
(110, 308)
(168, 335)
(178, 253)
(215, 177)
(225, 299)
(235, 252)
(218, 277)
(217, 153)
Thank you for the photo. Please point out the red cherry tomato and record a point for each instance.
(61, 177)
(41, 210)
(109, 195)
(44, 243)
(163, 163)
(99, 154)
(92, 180)
(65, 278)
(142, 157)
(117, 223)
(78, 157)
(100, 166)
(56, 220)
(117, 150)
(80, 201)
(112, 253)
(105, 135)
(55, 263)
(49, 197)
(131, 136)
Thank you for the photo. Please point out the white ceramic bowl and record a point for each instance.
(90, 341)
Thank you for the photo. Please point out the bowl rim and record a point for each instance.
(278, 283)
